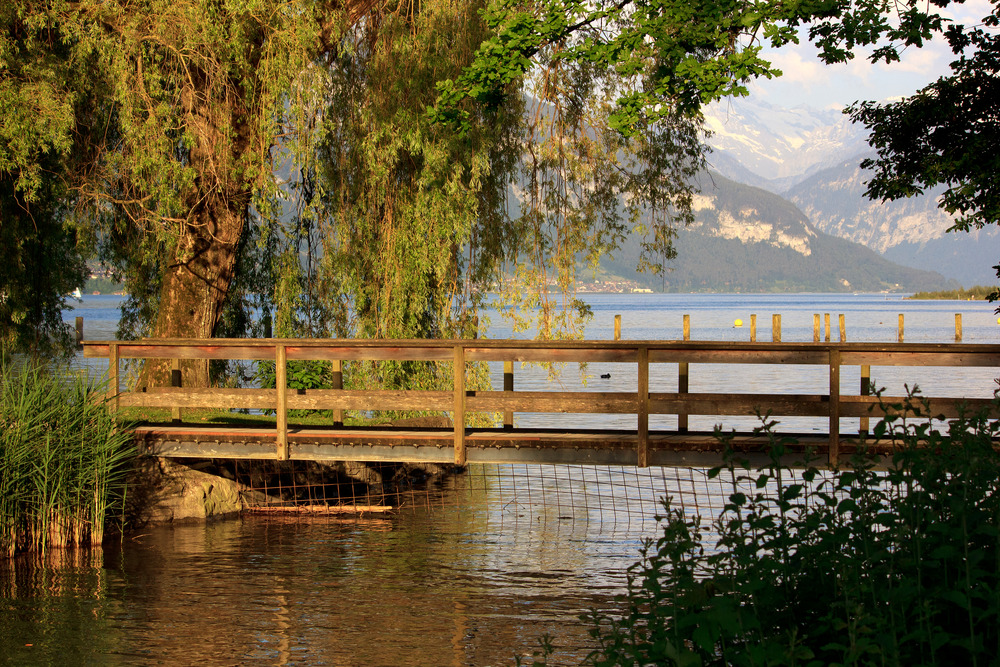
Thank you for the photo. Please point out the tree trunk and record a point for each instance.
(196, 282)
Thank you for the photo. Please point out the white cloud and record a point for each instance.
(799, 64)
(969, 12)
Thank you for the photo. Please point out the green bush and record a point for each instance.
(899, 566)
(63, 458)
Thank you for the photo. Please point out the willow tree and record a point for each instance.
(168, 130)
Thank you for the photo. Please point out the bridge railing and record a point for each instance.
(460, 400)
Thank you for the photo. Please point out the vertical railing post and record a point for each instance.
(753, 328)
(337, 382)
(900, 336)
(618, 327)
(642, 425)
(776, 328)
(958, 327)
(79, 331)
(826, 327)
(281, 408)
(815, 327)
(866, 387)
(175, 381)
(508, 386)
(843, 328)
(834, 452)
(683, 378)
(113, 376)
(459, 416)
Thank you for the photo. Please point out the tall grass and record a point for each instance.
(63, 459)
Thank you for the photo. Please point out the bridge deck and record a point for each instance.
(594, 447)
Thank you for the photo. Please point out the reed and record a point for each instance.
(63, 458)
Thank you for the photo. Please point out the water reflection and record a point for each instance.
(409, 589)
(470, 580)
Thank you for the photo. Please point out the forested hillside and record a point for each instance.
(746, 239)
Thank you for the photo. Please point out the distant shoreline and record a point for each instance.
(977, 293)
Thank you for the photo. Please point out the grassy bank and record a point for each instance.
(63, 459)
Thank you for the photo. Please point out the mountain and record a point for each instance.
(800, 153)
(911, 231)
(746, 239)
(774, 148)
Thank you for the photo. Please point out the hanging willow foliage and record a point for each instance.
(395, 226)
(256, 165)
(400, 227)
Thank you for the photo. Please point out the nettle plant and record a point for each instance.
(859, 566)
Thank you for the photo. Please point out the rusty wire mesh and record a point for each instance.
(601, 498)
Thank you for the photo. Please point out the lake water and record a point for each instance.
(471, 575)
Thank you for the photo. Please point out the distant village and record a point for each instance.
(612, 287)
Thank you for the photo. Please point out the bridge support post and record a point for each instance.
(683, 375)
(866, 387)
(508, 385)
(113, 376)
(281, 385)
(337, 382)
(459, 410)
(834, 451)
(642, 426)
(175, 381)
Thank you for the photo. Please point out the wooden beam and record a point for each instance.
(459, 405)
(281, 407)
(834, 452)
(508, 387)
(113, 383)
(589, 402)
(642, 426)
(554, 354)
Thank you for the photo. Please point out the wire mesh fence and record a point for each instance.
(604, 499)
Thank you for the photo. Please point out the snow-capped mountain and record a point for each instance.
(812, 158)
(909, 231)
(746, 239)
(778, 146)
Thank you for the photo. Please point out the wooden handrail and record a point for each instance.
(460, 400)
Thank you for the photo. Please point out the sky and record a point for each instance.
(808, 82)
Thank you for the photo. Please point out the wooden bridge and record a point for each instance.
(461, 444)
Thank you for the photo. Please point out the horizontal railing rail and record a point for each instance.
(461, 400)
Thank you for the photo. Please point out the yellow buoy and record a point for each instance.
(739, 323)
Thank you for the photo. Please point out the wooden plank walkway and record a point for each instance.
(592, 447)
(460, 445)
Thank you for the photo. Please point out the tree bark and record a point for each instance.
(196, 282)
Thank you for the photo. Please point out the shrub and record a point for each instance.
(860, 566)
